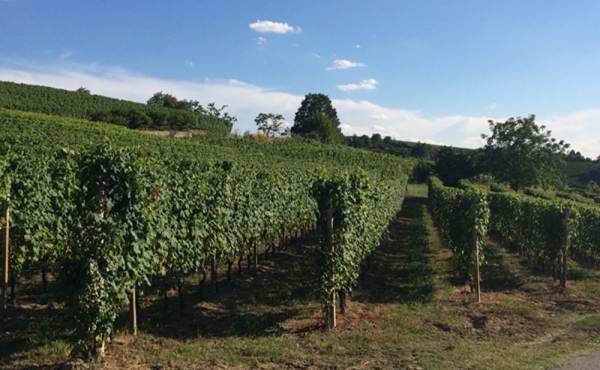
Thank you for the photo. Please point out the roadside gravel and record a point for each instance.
(589, 362)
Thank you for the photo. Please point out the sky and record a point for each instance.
(429, 71)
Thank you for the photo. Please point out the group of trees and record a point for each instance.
(161, 99)
(315, 119)
(517, 152)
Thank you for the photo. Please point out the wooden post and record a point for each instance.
(213, 274)
(476, 256)
(133, 310)
(563, 274)
(255, 246)
(331, 319)
(6, 254)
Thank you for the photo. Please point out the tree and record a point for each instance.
(269, 123)
(420, 150)
(83, 90)
(376, 139)
(452, 165)
(309, 114)
(212, 110)
(324, 130)
(523, 154)
(164, 100)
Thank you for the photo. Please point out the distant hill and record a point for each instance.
(400, 148)
(82, 104)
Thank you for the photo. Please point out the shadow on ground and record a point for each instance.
(401, 269)
(253, 304)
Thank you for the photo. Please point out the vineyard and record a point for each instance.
(110, 222)
(545, 231)
(82, 104)
(110, 212)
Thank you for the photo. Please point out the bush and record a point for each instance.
(538, 193)
(499, 188)
(465, 184)
(570, 196)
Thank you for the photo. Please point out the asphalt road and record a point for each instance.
(589, 362)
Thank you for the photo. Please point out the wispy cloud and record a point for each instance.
(65, 54)
(315, 55)
(380, 117)
(189, 63)
(344, 64)
(356, 46)
(491, 106)
(273, 27)
(245, 101)
(370, 84)
(261, 41)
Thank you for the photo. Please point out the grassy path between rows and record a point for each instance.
(412, 311)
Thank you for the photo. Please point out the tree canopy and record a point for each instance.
(452, 165)
(523, 154)
(324, 130)
(161, 99)
(269, 123)
(316, 112)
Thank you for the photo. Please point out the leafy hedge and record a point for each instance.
(458, 212)
(136, 211)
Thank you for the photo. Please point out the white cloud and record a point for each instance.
(274, 27)
(369, 84)
(245, 101)
(356, 46)
(491, 106)
(344, 64)
(380, 117)
(189, 63)
(580, 129)
(261, 41)
(315, 55)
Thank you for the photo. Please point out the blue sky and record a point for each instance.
(434, 71)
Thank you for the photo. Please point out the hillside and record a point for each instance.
(82, 104)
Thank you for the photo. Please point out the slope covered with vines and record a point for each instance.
(111, 210)
(77, 104)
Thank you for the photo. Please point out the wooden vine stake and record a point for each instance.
(476, 255)
(6, 260)
(213, 274)
(563, 275)
(330, 313)
(255, 247)
(133, 309)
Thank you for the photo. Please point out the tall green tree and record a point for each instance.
(324, 130)
(164, 100)
(317, 118)
(523, 154)
(269, 123)
(452, 165)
